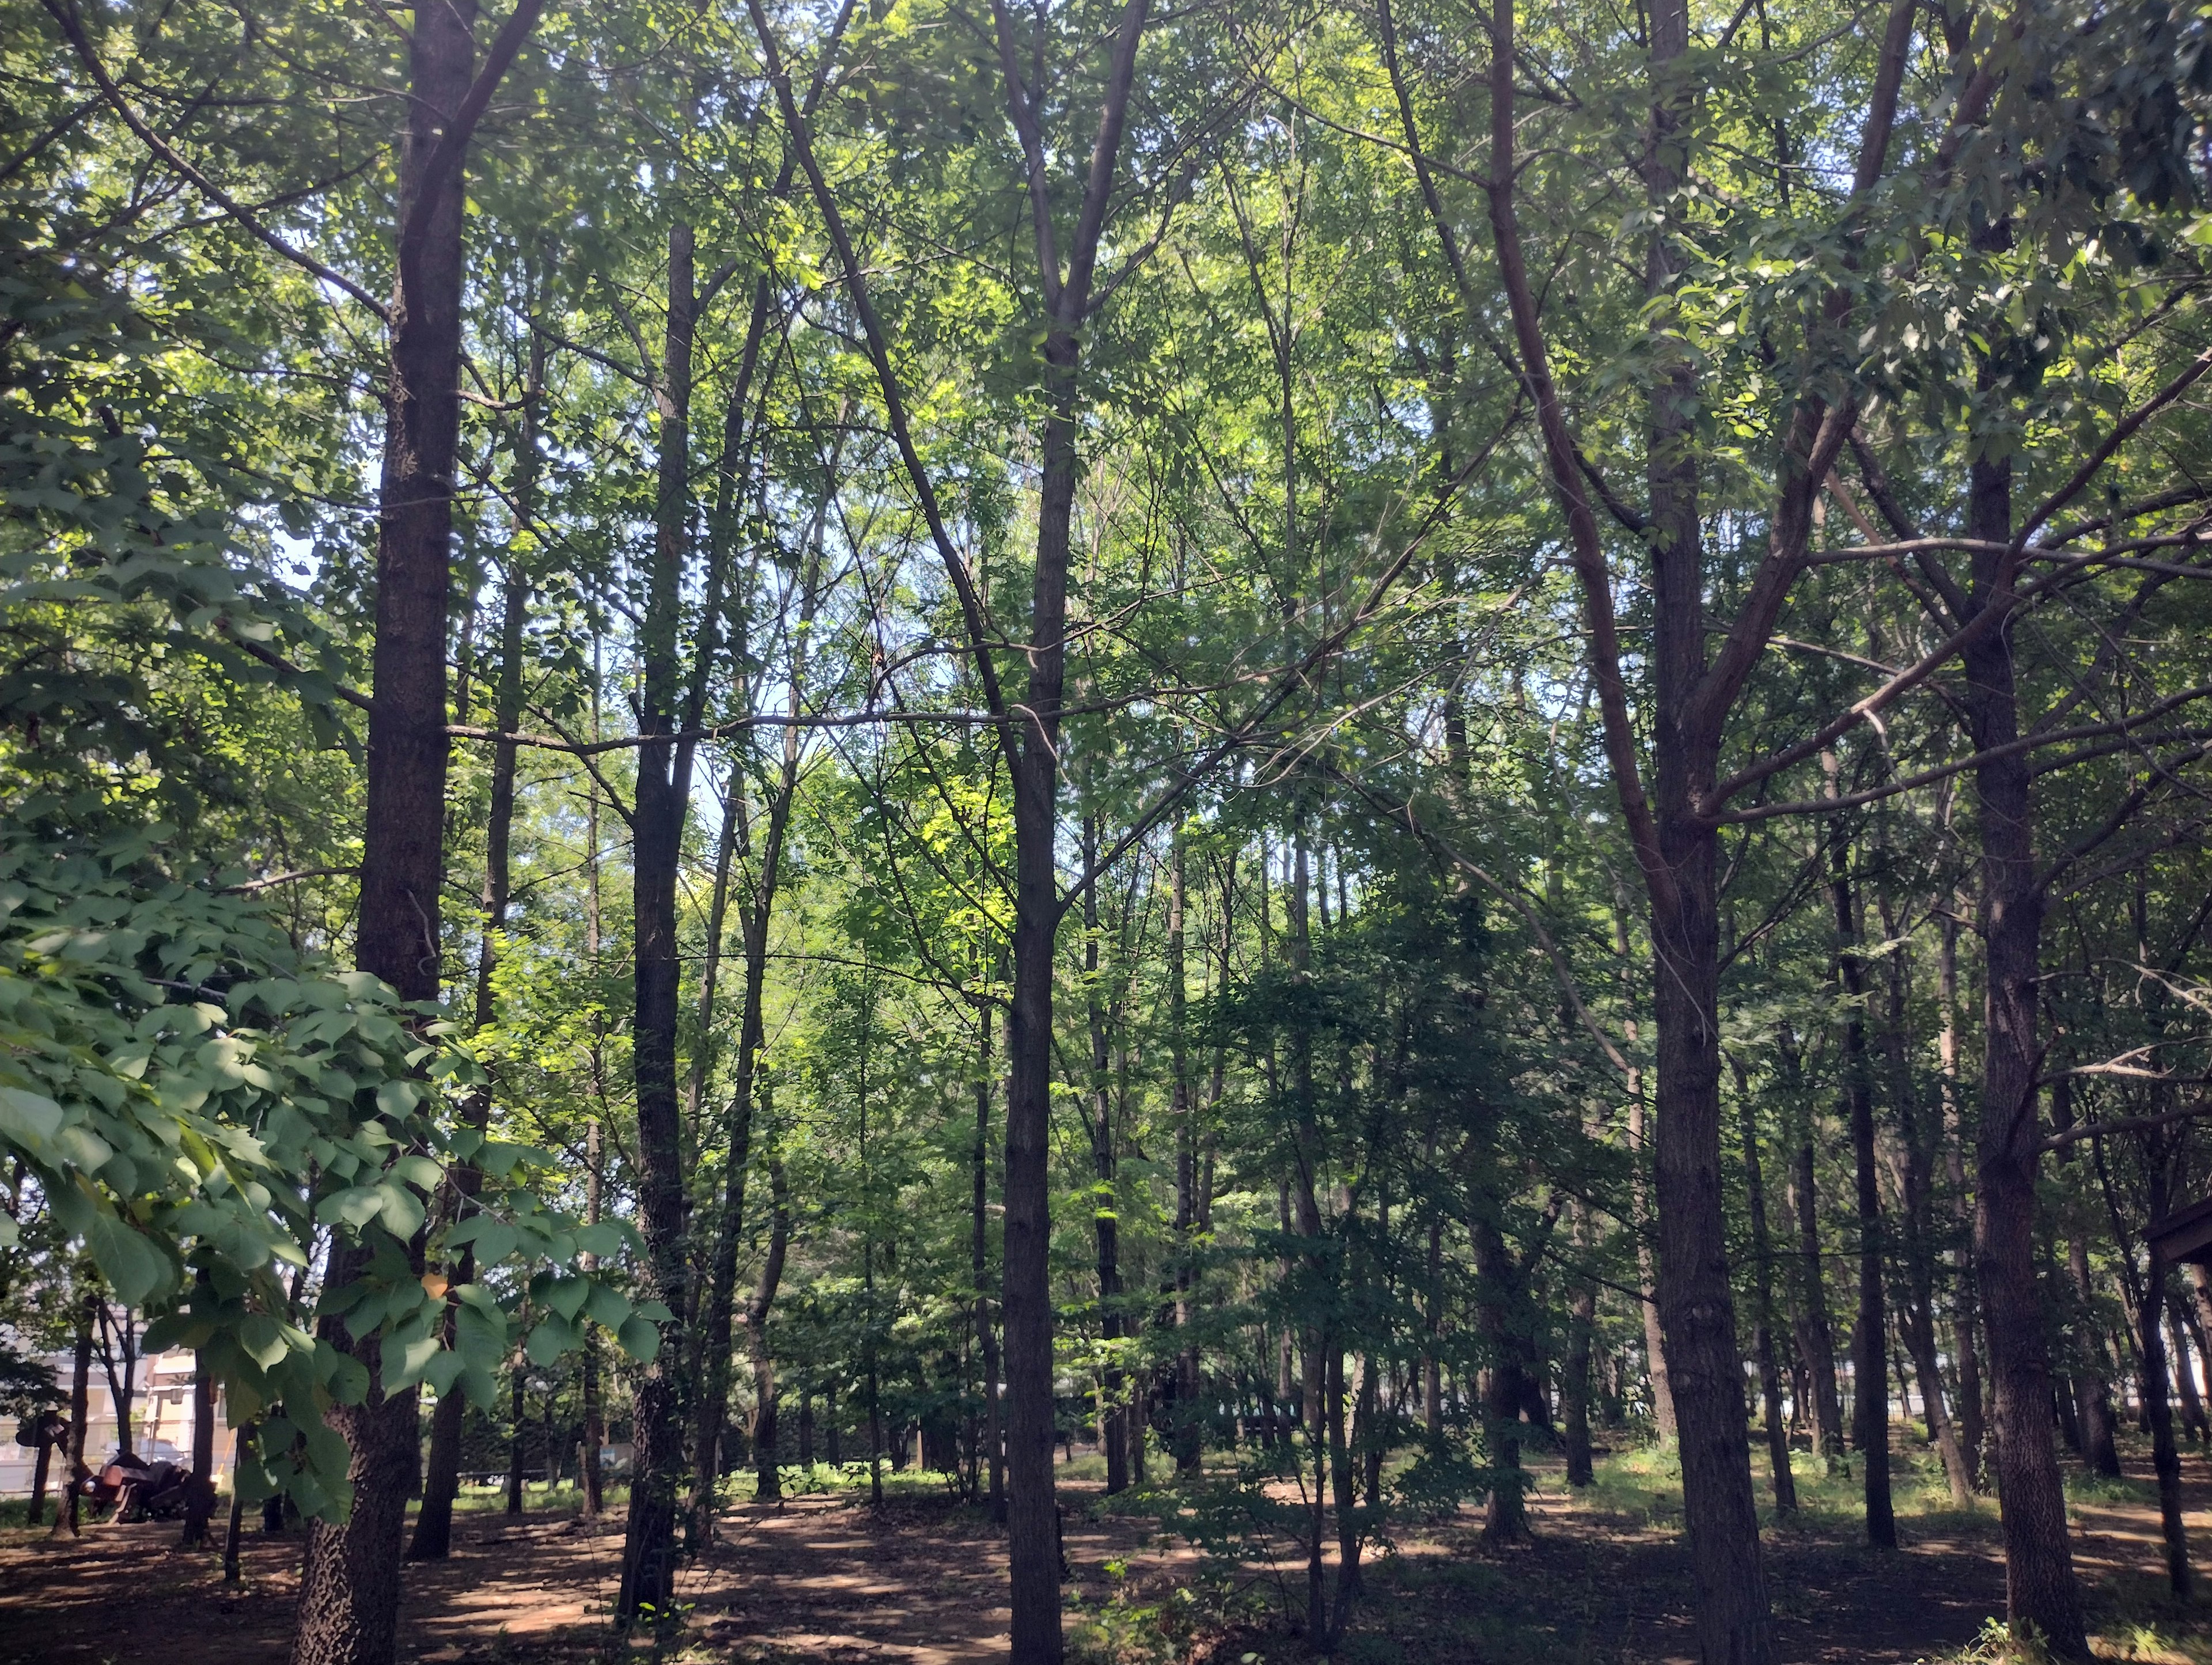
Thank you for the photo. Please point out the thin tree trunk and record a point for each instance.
(595, 1432)
(716, 1313)
(1762, 1256)
(518, 1429)
(1105, 1229)
(1917, 1324)
(986, 1333)
(1647, 1280)
(200, 1507)
(2184, 1374)
(2040, 1583)
(769, 1487)
(433, 1520)
(591, 1477)
(1189, 1431)
(1815, 1331)
(1582, 1323)
(1966, 1346)
(2093, 1391)
(1870, 1335)
(66, 1511)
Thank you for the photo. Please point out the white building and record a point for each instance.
(161, 1420)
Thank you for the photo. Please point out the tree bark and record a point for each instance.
(1762, 1256)
(1816, 1332)
(2092, 1390)
(986, 1333)
(348, 1602)
(2184, 1375)
(1966, 1344)
(757, 917)
(1917, 1323)
(658, 1420)
(1113, 1415)
(67, 1510)
(2040, 1583)
(1870, 1335)
(767, 1468)
(1189, 1429)
(591, 1477)
(200, 1507)
(518, 1420)
(2166, 1454)
(433, 1520)
(1575, 1387)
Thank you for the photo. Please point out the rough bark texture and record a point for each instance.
(349, 1604)
(649, 1549)
(2040, 1583)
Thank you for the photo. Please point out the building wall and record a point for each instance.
(161, 1420)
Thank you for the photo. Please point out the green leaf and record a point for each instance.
(127, 1259)
(606, 1304)
(29, 1120)
(639, 1337)
(551, 1338)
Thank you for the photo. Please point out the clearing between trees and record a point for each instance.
(922, 1581)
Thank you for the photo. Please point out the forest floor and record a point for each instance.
(827, 1580)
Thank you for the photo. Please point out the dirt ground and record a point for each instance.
(922, 1583)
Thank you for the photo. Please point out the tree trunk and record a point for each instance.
(2093, 1391)
(2184, 1374)
(769, 1487)
(979, 1247)
(1190, 1430)
(1815, 1333)
(433, 1520)
(591, 1477)
(2040, 1583)
(73, 1470)
(1762, 1256)
(1112, 1325)
(658, 1420)
(518, 1429)
(2165, 1455)
(1501, 1312)
(1870, 1401)
(1582, 1321)
(200, 1507)
(758, 915)
(1647, 1280)
(1917, 1323)
(34, 1513)
(1965, 1343)
(348, 1609)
